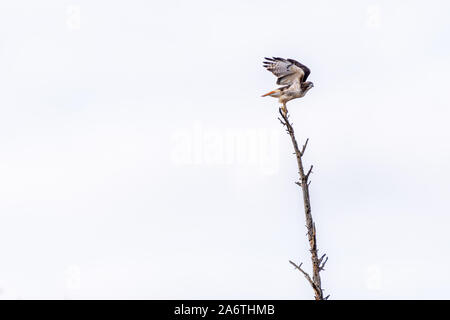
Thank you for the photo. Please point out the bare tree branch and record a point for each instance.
(318, 264)
(309, 172)
(304, 146)
(322, 262)
(299, 267)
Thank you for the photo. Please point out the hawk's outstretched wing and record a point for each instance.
(287, 70)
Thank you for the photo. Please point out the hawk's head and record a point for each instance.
(307, 85)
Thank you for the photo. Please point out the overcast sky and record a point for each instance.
(138, 159)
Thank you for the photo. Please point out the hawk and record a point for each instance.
(292, 75)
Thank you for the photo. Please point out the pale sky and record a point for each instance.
(138, 159)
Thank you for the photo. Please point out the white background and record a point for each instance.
(138, 160)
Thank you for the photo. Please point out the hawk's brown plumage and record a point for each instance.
(290, 73)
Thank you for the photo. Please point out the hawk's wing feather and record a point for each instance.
(287, 70)
(305, 69)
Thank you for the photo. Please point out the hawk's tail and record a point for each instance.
(271, 92)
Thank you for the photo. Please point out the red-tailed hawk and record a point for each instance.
(292, 75)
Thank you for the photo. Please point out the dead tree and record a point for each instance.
(318, 264)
